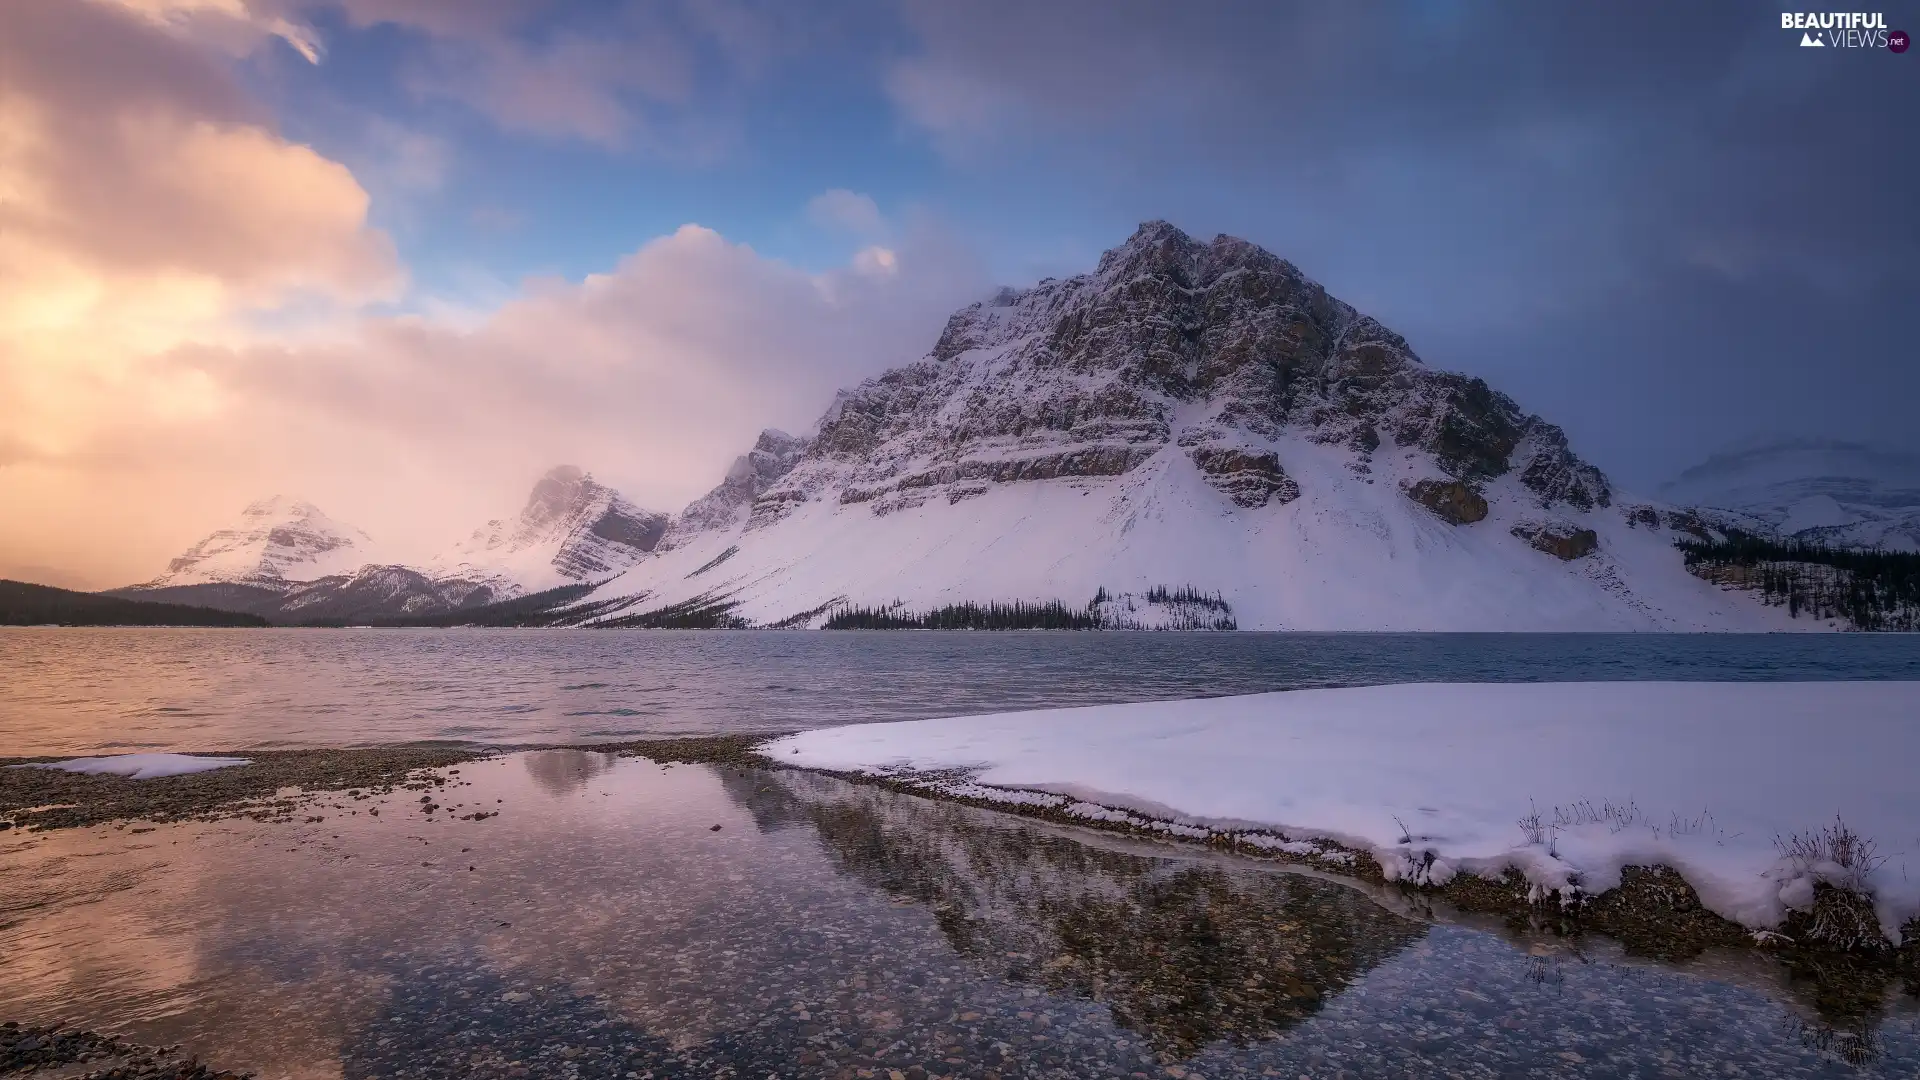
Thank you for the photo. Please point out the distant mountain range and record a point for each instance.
(289, 562)
(1845, 494)
(1194, 435)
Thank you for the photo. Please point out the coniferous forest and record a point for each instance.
(1159, 608)
(26, 604)
(1016, 615)
(1871, 590)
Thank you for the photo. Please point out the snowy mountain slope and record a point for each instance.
(289, 562)
(572, 529)
(1190, 414)
(276, 541)
(1842, 493)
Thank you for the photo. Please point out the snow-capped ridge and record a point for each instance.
(277, 540)
(572, 529)
(288, 561)
(1836, 492)
(750, 476)
(1198, 412)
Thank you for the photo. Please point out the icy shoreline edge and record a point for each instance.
(1795, 795)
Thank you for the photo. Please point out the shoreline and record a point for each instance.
(270, 788)
(56, 1050)
(1653, 913)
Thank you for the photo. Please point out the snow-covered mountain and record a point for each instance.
(288, 561)
(1846, 494)
(751, 475)
(573, 529)
(1193, 434)
(285, 559)
(276, 541)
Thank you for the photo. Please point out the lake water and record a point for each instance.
(113, 690)
(621, 919)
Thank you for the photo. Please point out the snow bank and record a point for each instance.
(141, 766)
(1435, 779)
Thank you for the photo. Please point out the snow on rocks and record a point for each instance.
(573, 529)
(140, 766)
(1729, 784)
(1193, 417)
(277, 540)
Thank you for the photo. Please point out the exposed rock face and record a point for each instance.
(1093, 461)
(1248, 478)
(1555, 474)
(573, 528)
(773, 455)
(380, 592)
(1453, 500)
(1642, 516)
(1219, 346)
(370, 594)
(1558, 539)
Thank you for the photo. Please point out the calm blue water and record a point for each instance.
(75, 690)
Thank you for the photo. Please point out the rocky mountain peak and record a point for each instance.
(565, 491)
(281, 508)
(778, 443)
(1159, 250)
(751, 475)
(1219, 347)
(572, 528)
(1191, 424)
(276, 540)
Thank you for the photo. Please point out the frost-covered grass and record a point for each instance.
(1567, 784)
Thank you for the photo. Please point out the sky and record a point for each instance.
(399, 257)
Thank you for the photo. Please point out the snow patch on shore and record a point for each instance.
(140, 766)
(1566, 782)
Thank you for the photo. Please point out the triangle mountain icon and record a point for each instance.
(1809, 41)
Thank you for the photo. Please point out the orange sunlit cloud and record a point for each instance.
(184, 323)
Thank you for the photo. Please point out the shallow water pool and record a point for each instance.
(602, 926)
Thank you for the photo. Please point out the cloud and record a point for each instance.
(238, 26)
(572, 85)
(1616, 212)
(622, 75)
(848, 210)
(130, 154)
(653, 375)
(145, 204)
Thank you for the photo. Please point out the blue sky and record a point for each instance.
(1498, 182)
(370, 224)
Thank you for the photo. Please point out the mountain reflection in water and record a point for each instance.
(561, 771)
(1182, 953)
(622, 917)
